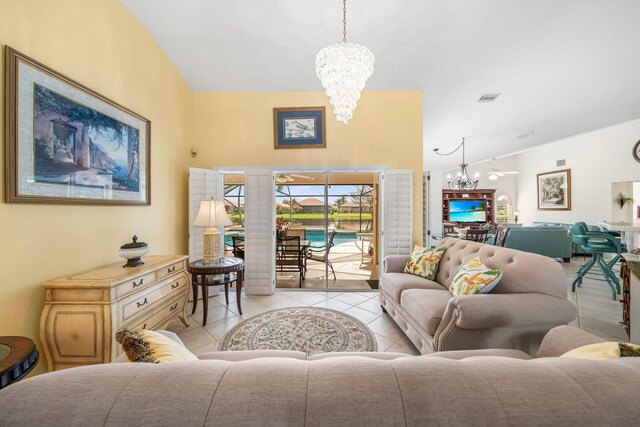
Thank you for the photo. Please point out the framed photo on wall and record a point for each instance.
(68, 144)
(554, 190)
(300, 127)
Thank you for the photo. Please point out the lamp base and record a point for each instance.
(212, 244)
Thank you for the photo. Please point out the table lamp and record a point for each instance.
(212, 215)
(516, 213)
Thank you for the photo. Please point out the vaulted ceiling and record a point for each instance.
(562, 67)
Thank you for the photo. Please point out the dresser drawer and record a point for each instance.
(146, 301)
(134, 285)
(164, 312)
(170, 269)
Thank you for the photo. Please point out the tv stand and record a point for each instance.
(487, 194)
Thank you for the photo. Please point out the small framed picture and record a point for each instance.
(299, 127)
(554, 190)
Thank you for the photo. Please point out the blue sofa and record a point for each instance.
(551, 241)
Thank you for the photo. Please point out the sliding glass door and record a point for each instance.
(332, 217)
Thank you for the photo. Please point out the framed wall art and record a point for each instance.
(301, 127)
(68, 144)
(554, 190)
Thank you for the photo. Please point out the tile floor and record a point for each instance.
(598, 313)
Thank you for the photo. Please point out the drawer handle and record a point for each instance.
(143, 303)
(135, 285)
(144, 326)
(177, 285)
(173, 307)
(171, 269)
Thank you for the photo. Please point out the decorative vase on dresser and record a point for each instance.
(83, 311)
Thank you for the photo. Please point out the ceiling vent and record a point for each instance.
(488, 97)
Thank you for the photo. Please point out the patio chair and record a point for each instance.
(238, 246)
(321, 253)
(289, 256)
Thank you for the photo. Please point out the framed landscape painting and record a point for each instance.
(554, 190)
(68, 144)
(301, 127)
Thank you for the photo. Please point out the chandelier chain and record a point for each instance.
(344, 21)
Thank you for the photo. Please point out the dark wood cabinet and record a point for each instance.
(487, 195)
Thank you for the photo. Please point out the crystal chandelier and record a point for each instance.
(343, 68)
(462, 181)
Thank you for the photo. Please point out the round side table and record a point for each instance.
(18, 357)
(207, 273)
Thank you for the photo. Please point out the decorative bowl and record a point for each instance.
(132, 252)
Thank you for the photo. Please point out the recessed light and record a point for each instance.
(524, 135)
(488, 97)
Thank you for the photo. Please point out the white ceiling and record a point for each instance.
(562, 67)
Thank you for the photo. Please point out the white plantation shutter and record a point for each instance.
(260, 244)
(397, 186)
(204, 184)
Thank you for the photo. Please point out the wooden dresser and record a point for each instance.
(83, 311)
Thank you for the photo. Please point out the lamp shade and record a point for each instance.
(212, 214)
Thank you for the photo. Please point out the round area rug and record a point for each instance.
(309, 329)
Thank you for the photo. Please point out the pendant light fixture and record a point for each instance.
(462, 181)
(343, 68)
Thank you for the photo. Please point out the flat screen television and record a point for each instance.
(468, 210)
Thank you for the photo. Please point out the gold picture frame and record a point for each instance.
(67, 144)
(554, 190)
(299, 127)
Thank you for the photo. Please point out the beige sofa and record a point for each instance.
(530, 299)
(339, 389)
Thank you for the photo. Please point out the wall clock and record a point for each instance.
(636, 151)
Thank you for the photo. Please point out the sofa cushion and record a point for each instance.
(396, 283)
(424, 262)
(426, 306)
(368, 354)
(475, 278)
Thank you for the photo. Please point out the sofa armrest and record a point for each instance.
(564, 338)
(486, 311)
(394, 263)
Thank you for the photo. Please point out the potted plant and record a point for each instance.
(622, 200)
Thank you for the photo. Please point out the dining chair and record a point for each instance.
(289, 256)
(597, 244)
(477, 235)
(500, 238)
(448, 229)
(321, 253)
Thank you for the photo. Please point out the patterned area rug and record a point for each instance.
(309, 329)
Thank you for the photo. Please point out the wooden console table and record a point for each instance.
(83, 311)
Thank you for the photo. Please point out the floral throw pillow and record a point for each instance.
(475, 278)
(424, 262)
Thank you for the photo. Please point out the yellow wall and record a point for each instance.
(101, 45)
(236, 129)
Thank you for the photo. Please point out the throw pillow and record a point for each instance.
(604, 351)
(151, 347)
(424, 262)
(475, 278)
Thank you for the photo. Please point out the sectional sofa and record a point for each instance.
(530, 299)
(482, 387)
